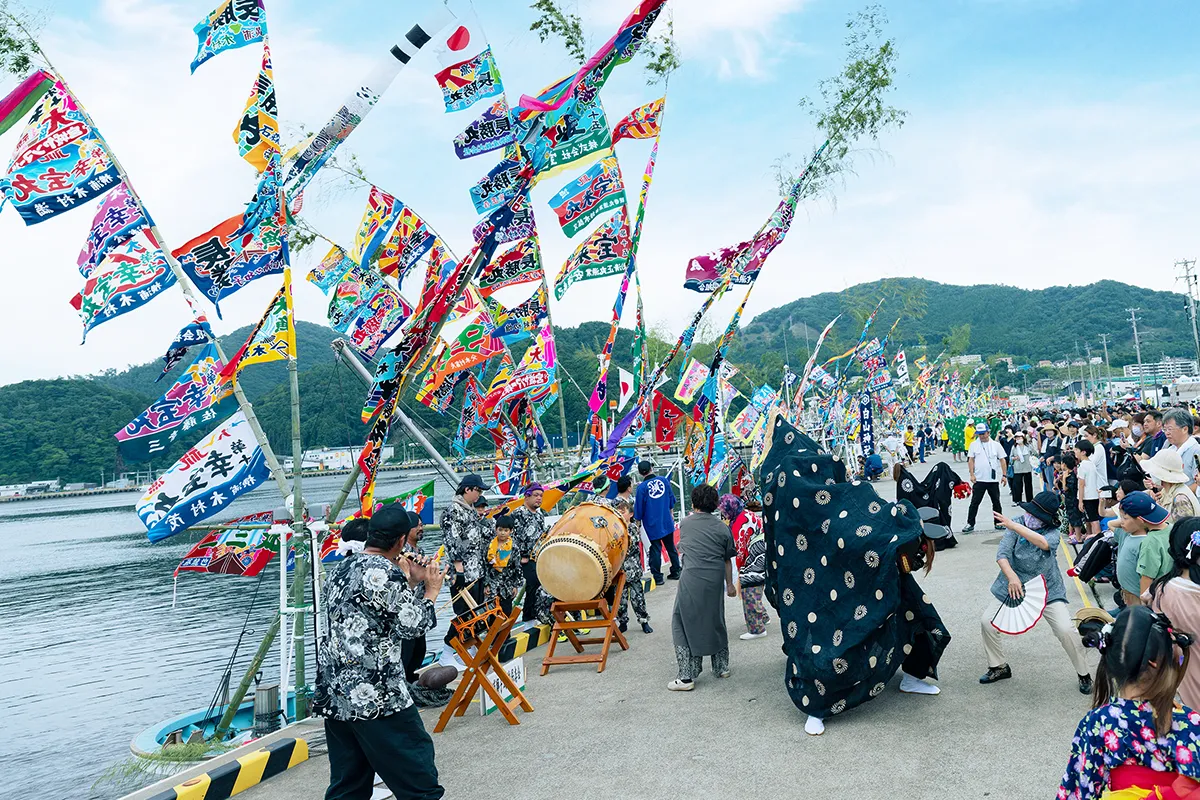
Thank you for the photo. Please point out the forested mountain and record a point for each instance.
(64, 428)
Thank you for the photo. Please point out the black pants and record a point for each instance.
(1022, 486)
(977, 491)
(460, 606)
(911, 455)
(396, 746)
(413, 651)
(656, 546)
(532, 584)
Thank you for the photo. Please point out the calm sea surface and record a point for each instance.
(93, 652)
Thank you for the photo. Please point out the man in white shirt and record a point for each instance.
(1178, 425)
(1088, 474)
(988, 467)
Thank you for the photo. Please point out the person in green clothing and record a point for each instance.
(1143, 520)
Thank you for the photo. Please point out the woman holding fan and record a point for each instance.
(1027, 552)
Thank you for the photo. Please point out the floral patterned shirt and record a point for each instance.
(463, 534)
(1122, 734)
(530, 528)
(360, 665)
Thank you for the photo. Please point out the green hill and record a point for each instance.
(63, 428)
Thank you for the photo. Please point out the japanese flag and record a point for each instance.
(626, 388)
(462, 41)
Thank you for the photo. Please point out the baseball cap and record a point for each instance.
(1142, 506)
(981, 428)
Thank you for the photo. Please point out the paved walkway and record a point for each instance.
(622, 734)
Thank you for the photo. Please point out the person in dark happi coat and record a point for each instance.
(839, 561)
(698, 622)
(935, 491)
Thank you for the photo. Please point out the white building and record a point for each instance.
(334, 458)
(1165, 370)
(961, 361)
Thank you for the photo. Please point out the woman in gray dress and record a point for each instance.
(698, 624)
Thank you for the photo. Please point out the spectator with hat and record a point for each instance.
(987, 465)
(1049, 449)
(1167, 483)
(653, 507)
(1141, 515)
(1028, 550)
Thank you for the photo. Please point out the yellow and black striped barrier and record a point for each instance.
(237, 776)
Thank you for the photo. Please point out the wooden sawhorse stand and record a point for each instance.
(474, 676)
(605, 618)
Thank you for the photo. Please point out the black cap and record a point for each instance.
(472, 481)
(391, 519)
(645, 467)
(480, 503)
(414, 520)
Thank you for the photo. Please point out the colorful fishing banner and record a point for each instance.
(59, 162)
(866, 425)
(471, 420)
(473, 346)
(520, 264)
(199, 396)
(131, 275)
(326, 275)
(232, 552)
(377, 319)
(705, 273)
(520, 222)
(574, 135)
(513, 325)
(371, 455)
(410, 241)
(441, 397)
(596, 191)
(195, 332)
(304, 160)
(380, 215)
(234, 23)
(225, 465)
(495, 391)
(257, 132)
(694, 377)
(667, 417)
(642, 123)
(117, 220)
(620, 49)
(901, 364)
(536, 376)
(498, 186)
(467, 82)
(273, 338)
(223, 260)
(598, 403)
(418, 500)
(809, 369)
(490, 132)
(21, 100)
(606, 252)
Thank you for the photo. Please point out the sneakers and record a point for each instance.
(623, 626)
(996, 674)
(674, 576)
(681, 686)
(968, 529)
(724, 674)
(748, 636)
(1085, 684)
(646, 628)
(1073, 572)
(998, 528)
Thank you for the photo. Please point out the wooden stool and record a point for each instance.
(474, 675)
(605, 618)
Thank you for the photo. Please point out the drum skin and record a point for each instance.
(582, 554)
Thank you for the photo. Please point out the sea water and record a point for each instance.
(93, 652)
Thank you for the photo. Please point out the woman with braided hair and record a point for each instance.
(1136, 743)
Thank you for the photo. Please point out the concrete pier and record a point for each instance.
(622, 734)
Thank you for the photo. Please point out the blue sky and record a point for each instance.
(1047, 143)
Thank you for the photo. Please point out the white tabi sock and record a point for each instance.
(911, 685)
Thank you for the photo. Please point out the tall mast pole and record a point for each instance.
(1107, 364)
(1190, 278)
(1137, 345)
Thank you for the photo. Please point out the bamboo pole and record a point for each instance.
(562, 395)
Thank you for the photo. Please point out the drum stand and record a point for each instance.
(486, 628)
(605, 618)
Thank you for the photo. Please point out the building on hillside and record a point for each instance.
(1045, 362)
(1007, 361)
(1096, 360)
(1161, 371)
(962, 361)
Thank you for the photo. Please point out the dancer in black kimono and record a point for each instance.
(838, 573)
(935, 491)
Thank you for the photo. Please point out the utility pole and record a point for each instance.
(1190, 278)
(1107, 365)
(1137, 346)
(1087, 348)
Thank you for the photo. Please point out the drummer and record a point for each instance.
(529, 526)
(463, 536)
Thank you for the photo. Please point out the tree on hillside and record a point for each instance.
(958, 341)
